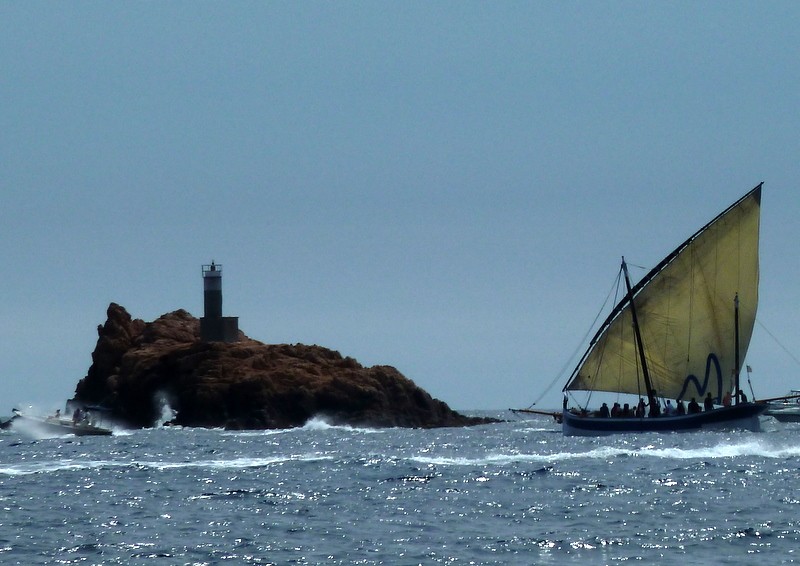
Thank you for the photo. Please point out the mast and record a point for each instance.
(639, 343)
(736, 345)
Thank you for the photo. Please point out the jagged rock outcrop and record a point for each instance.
(246, 384)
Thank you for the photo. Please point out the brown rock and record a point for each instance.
(246, 384)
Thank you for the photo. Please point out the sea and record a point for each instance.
(516, 492)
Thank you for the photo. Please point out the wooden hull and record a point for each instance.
(742, 416)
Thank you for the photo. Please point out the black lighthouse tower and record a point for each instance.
(213, 326)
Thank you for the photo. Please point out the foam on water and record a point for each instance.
(322, 423)
(755, 447)
(77, 465)
(34, 430)
(246, 433)
(759, 447)
(314, 424)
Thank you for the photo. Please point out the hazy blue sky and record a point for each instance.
(445, 187)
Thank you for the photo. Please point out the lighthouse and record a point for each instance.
(213, 326)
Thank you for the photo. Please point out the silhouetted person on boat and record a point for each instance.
(708, 402)
(655, 406)
(603, 412)
(694, 407)
(640, 408)
(680, 408)
(626, 410)
(726, 400)
(742, 397)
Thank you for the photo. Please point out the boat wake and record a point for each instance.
(758, 448)
(34, 430)
(755, 447)
(68, 465)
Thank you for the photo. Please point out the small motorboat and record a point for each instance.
(785, 409)
(80, 425)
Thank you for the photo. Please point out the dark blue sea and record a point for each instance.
(512, 493)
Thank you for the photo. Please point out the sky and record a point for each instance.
(443, 187)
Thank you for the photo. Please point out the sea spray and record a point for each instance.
(320, 423)
(166, 412)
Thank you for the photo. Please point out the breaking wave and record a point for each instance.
(78, 465)
(752, 448)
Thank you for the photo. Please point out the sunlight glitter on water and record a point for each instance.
(489, 495)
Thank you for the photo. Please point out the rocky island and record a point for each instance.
(244, 384)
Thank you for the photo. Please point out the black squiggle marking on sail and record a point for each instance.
(701, 389)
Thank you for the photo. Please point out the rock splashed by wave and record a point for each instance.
(141, 367)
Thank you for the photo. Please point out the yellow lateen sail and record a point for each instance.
(685, 310)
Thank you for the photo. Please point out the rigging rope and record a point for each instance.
(771, 335)
(575, 353)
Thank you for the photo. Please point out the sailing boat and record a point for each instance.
(680, 333)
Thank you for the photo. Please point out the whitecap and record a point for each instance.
(322, 423)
